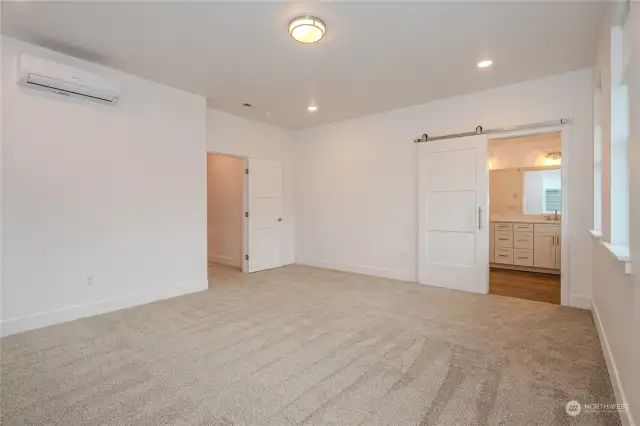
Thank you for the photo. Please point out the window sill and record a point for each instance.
(621, 253)
(595, 234)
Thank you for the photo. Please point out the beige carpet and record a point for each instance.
(302, 345)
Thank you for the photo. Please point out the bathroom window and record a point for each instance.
(552, 200)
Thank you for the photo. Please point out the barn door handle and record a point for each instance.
(479, 217)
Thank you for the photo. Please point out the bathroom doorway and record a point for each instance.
(525, 211)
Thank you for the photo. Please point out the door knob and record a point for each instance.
(279, 219)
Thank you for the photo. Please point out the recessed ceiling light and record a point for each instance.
(485, 64)
(312, 108)
(307, 29)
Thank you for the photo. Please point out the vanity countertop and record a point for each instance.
(548, 222)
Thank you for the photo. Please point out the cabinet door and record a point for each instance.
(544, 250)
(492, 244)
(558, 251)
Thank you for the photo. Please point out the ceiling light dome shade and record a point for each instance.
(307, 29)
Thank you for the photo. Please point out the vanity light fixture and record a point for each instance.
(307, 29)
(553, 159)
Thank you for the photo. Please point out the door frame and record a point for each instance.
(565, 135)
(245, 204)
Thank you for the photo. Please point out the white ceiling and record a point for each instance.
(376, 56)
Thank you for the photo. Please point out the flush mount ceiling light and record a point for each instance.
(307, 29)
(485, 64)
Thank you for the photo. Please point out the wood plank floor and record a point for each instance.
(525, 285)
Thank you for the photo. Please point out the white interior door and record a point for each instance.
(264, 224)
(453, 211)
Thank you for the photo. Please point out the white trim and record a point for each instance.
(565, 246)
(70, 313)
(394, 274)
(621, 253)
(625, 416)
(595, 233)
(225, 260)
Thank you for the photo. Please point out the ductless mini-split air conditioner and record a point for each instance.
(43, 74)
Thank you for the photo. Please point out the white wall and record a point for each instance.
(616, 295)
(522, 152)
(225, 212)
(113, 192)
(232, 135)
(356, 180)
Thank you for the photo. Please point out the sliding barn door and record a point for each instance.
(453, 214)
(265, 221)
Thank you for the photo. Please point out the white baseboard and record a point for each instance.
(70, 313)
(230, 261)
(625, 417)
(394, 274)
(580, 301)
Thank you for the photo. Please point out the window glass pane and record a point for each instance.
(552, 200)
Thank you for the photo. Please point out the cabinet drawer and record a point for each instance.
(547, 229)
(523, 240)
(523, 257)
(504, 255)
(523, 227)
(503, 227)
(503, 239)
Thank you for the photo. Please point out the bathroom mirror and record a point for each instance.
(542, 193)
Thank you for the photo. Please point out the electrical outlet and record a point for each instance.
(90, 280)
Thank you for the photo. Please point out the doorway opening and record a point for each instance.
(244, 214)
(525, 211)
(225, 211)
